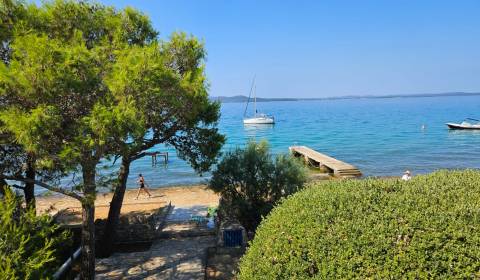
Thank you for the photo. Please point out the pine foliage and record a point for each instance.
(28, 243)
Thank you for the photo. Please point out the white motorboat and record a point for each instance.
(258, 118)
(465, 124)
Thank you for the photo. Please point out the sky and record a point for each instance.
(328, 48)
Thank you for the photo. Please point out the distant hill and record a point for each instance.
(398, 95)
(242, 98)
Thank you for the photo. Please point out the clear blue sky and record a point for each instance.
(329, 48)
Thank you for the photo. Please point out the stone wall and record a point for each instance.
(135, 227)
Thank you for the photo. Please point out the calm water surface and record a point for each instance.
(379, 136)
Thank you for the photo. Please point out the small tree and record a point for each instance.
(251, 181)
(28, 243)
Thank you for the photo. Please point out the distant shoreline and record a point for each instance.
(242, 98)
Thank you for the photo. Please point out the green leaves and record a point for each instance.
(427, 228)
(28, 243)
(115, 123)
(184, 54)
(251, 181)
(34, 128)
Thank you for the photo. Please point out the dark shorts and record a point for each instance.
(142, 186)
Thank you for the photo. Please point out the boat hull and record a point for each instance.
(460, 126)
(262, 120)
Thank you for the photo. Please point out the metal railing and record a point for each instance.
(67, 264)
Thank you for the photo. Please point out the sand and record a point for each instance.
(181, 196)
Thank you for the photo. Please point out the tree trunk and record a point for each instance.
(29, 190)
(3, 186)
(88, 225)
(108, 237)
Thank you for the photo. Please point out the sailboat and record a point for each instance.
(258, 118)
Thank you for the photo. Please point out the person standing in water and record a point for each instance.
(143, 186)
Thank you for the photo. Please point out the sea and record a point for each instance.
(380, 136)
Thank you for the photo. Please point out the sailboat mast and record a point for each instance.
(255, 100)
(249, 95)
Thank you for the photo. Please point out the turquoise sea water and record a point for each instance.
(382, 137)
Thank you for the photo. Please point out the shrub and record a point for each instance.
(428, 227)
(28, 243)
(251, 181)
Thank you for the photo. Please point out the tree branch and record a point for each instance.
(115, 159)
(138, 152)
(18, 187)
(44, 185)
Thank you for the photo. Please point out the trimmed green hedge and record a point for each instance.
(428, 227)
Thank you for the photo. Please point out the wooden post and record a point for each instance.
(155, 159)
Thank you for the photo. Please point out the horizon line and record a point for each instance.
(456, 93)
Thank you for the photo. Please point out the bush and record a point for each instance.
(251, 181)
(428, 227)
(28, 243)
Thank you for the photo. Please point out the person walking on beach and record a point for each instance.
(143, 186)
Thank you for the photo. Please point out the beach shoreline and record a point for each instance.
(178, 196)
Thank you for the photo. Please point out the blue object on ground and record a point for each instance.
(232, 238)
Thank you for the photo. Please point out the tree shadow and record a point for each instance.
(180, 258)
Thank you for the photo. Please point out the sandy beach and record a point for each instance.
(179, 196)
